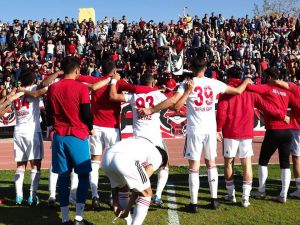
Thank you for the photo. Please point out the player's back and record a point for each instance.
(276, 96)
(149, 126)
(136, 149)
(239, 113)
(201, 104)
(65, 98)
(27, 113)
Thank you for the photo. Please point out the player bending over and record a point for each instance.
(129, 164)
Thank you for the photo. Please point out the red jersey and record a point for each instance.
(277, 97)
(65, 98)
(295, 113)
(235, 115)
(106, 113)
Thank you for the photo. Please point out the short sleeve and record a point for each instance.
(181, 88)
(84, 98)
(220, 86)
(161, 97)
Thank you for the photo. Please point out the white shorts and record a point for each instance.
(28, 146)
(122, 172)
(241, 148)
(103, 138)
(295, 144)
(195, 143)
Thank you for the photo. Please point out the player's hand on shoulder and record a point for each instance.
(189, 85)
(287, 119)
(116, 76)
(249, 81)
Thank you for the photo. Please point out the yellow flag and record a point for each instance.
(86, 13)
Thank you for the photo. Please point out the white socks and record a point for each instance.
(213, 181)
(65, 213)
(194, 183)
(247, 187)
(79, 211)
(141, 210)
(230, 187)
(123, 201)
(163, 175)
(52, 183)
(94, 176)
(19, 178)
(285, 182)
(262, 177)
(34, 182)
(297, 180)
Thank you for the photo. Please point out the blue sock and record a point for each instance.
(63, 189)
(83, 186)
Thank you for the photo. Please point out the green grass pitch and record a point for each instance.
(259, 212)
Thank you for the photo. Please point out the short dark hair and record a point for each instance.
(27, 77)
(197, 64)
(108, 66)
(147, 79)
(69, 64)
(164, 156)
(272, 73)
(235, 72)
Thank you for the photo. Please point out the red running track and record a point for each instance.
(175, 147)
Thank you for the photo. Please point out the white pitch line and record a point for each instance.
(172, 211)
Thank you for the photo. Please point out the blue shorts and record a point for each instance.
(70, 152)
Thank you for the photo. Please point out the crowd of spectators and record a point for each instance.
(253, 44)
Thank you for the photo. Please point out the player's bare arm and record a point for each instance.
(282, 84)
(34, 94)
(96, 86)
(239, 90)
(188, 89)
(7, 102)
(46, 82)
(113, 93)
(170, 102)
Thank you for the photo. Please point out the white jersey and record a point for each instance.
(149, 126)
(27, 113)
(201, 116)
(137, 149)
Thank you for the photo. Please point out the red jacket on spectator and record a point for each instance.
(114, 57)
(295, 113)
(264, 65)
(71, 48)
(235, 115)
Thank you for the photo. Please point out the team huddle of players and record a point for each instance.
(86, 136)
